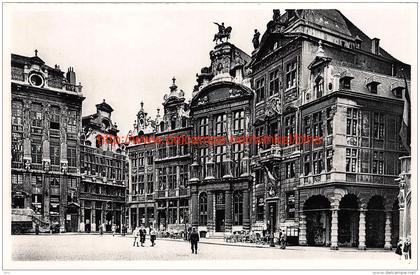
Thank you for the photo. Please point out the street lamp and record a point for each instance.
(272, 226)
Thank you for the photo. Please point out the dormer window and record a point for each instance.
(373, 87)
(345, 82)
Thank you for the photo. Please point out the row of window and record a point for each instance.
(37, 115)
(274, 82)
(167, 177)
(138, 184)
(221, 124)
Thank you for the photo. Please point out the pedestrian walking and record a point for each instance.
(152, 236)
(142, 233)
(101, 229)
(194, 239)
(114, 228)
(407, 249)
(136, 237)
(283, 241)
(398, 251)
(37, 229)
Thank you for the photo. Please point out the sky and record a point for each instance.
(128, 53)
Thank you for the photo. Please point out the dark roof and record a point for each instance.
(104, 107)
(334, 20)
(24, 59)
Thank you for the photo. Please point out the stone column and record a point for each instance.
(362, 230)
(302, 229)
(93, 224)
(82, 216)
(228, 209)
(388, 245)
(137, 216)
(246, 214)
(194, 208)
(334, 229)
(129, 219)
(210, 214)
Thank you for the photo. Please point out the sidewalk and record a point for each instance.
(298, 248)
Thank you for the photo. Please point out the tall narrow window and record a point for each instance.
(289, 125)
(290, 170)
(36, 150)
(307, 165)
(238, 121)
(260, 89)
(72, 122)
(351, 160)
(317, 125)
(318, 162)
(352, 121)
(221, 125)
(55, 118)
(378, 162)
(71, 153)
(203, 129)
(36, 116)
(237, 208)
(290, 205)
(274, 82)
(319, 87)
(55, 150)
(329, 160)
(291, 74)
(150, 186)
(203, 209)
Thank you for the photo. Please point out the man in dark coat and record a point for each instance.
(142, 235)
(194, 238)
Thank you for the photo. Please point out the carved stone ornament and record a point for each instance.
(235, 92)
(28, 164)
(203, 100)
(46, 165)
(64, 167)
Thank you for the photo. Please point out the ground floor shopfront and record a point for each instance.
(349, 216)
(141, 213)
(94, 213)
(221, 206)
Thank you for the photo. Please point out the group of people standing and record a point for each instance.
(404, 248)
(140, 233)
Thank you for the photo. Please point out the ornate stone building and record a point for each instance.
(172, 162)
(221, 107)
(315, 73)
(46, 111)
(142, 175)
(103, 166)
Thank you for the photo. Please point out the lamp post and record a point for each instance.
(272, 226)
(185, 225)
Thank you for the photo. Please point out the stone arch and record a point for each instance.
(375, 221)
(318, 220)
(348, 221)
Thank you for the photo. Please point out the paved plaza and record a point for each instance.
(84, 247)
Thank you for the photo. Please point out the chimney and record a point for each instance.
(71, 76)
(375, 45)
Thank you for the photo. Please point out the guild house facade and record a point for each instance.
(315, 73)
(103, 167)
(45, 154)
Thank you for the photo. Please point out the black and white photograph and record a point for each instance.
(209, 136)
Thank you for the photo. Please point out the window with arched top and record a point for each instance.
(202, 209)
(162, 126)
(319, 87)
(237, 208)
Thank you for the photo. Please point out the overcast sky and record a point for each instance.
(126, 53)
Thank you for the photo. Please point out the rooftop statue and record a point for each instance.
(224, 32)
